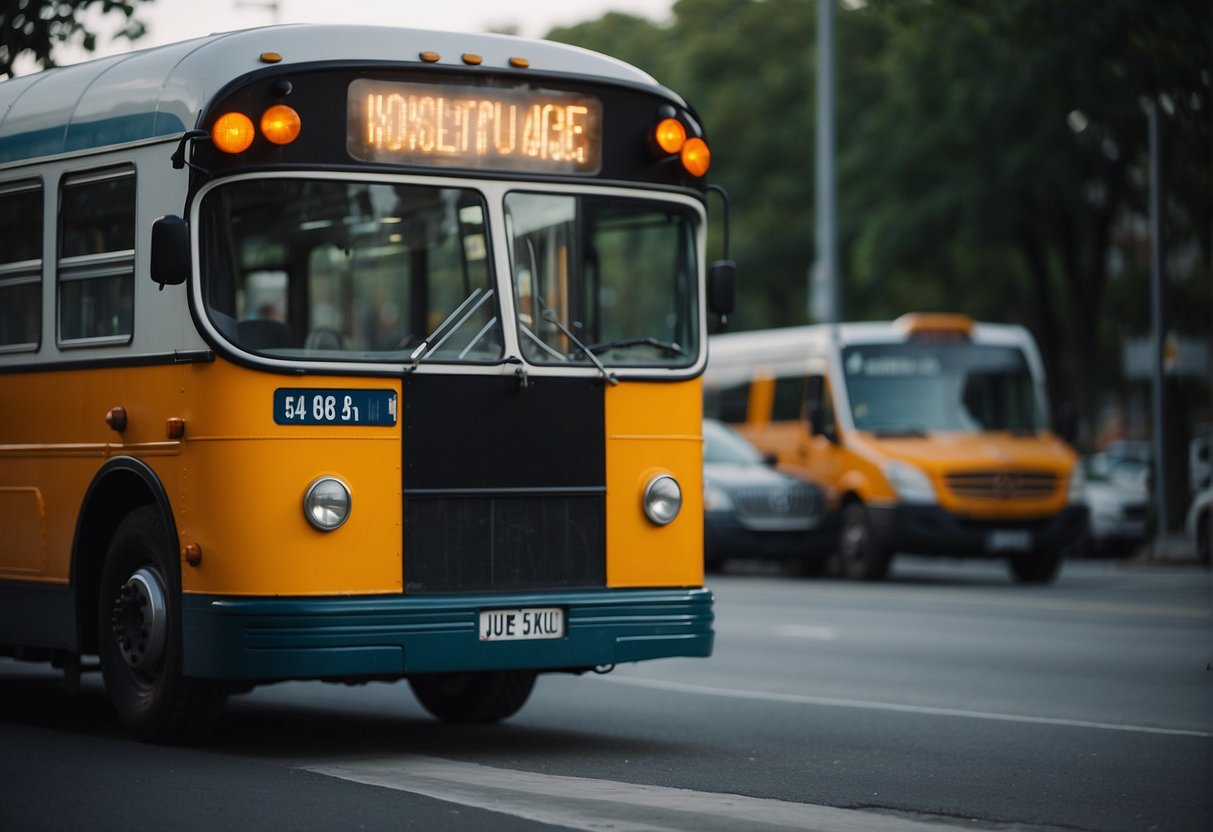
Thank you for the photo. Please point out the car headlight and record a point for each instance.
(327, 503)
(716, 499)
(910, 482)
(662, 499)
(1078, 482)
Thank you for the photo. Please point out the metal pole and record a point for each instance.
(824, 292)
(1157, 326)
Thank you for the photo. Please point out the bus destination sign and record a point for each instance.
(487, 128)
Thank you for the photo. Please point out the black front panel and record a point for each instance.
(504, 485)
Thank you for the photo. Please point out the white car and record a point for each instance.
(1115, 490)
(1197, 525)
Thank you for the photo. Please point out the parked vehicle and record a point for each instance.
(753, 510)
(1117, 493)
(1197, 525)
(931, 435)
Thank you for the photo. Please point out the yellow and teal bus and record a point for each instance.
(350, 353)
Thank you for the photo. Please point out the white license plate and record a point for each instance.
(523, 624)
(1009, 540)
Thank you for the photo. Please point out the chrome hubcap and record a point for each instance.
(140, 619)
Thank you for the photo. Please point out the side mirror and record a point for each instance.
(170, 264)
(817, 425)
(722, 282)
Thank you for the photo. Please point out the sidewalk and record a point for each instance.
(1170, 549)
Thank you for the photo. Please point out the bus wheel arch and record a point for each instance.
(121, 486)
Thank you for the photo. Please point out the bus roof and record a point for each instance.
(160, 92)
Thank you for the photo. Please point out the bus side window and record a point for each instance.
(820, 408)
(96, 273)
(20, 267)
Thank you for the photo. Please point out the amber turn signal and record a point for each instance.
(233, 132)
(696, 157)
(670, 135)
(280, 124)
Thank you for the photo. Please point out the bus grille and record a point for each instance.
(1003, 485)
(504, 542)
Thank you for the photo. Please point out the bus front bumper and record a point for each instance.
(358, 637)
(929, 530)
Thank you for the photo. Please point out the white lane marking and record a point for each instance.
(595, 805)
(801, 699)
(806, 631)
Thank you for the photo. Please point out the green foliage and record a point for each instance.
(37, 26)
(991, 158)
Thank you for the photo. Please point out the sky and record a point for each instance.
(173, 20)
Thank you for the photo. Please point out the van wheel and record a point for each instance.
(1039, 567)
(139, 630)
(473, 697)
(861, 556)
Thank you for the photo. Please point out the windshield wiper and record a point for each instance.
(643, 340)
(550, 317)
(459, 316)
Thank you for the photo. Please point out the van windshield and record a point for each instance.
(918, 387)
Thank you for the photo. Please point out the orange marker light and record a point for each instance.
(233, 132)
(670, 135)
(280, 124)
(696, 157)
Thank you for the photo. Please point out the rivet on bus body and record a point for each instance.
(520, 63)
(116, 419)
(270, 57)
(472, 60)
(175, 427)
(430, 57)
(193, 554)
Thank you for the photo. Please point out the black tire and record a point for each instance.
(139, 633)
(1039, 567)
(860, 555)
(473, 697)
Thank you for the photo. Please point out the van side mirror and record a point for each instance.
(722, 282)
(817, 424)
(170, 262)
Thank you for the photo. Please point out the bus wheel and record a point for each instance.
(861, 555)
(473, 697)
(1037, 567)
(139, 630)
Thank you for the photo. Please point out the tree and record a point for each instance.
(37, 26)
(1014, 163)
(991, 158)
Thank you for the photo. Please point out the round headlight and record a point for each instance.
(662, 499)
(327, 503)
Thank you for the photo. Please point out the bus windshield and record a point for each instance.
(917, 387)
(604, 275)
(327, 269)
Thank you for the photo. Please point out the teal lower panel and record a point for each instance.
(266, 639)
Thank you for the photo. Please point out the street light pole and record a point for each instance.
(1157, 325)
(824, 301)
